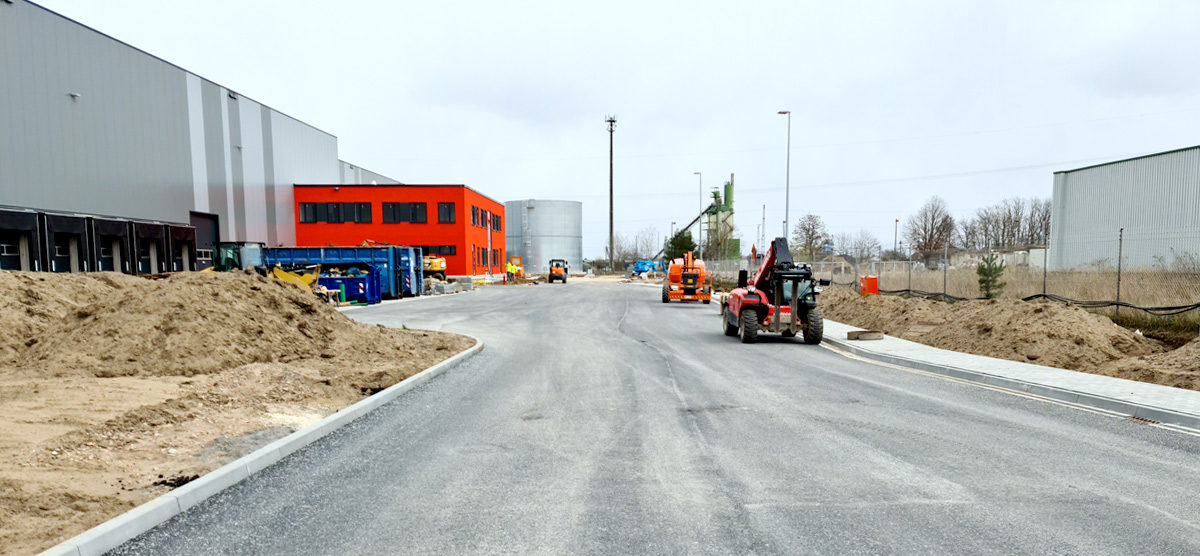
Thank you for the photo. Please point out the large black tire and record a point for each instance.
(814, 327)
(729, 328)
(748, 331)
(666, 297)
(440, 276)
(564, 279)
(788, 334)
(707, 301)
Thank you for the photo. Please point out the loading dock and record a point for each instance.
(19, 245)
(183, 247)
(150, 245)
(64, 238)
(110, 244)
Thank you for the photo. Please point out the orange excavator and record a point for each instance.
(687, 281)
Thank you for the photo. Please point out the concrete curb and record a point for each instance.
(114, 532)
(1095, 401)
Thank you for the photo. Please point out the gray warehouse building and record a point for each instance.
(540, 230)
(1154, 198)
(91, 125)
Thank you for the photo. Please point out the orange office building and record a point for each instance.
(452, 221)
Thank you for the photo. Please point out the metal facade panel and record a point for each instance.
(539, 230)
(254, 179)
(1156, 199)
(89, 124)
(302, 154)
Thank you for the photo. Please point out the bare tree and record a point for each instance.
(865, 246)
(931, 228)
(808, 235)
(646, 243)
(1039, 221)
(843, 243)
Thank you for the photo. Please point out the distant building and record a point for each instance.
(1155, 198)
(454, 221)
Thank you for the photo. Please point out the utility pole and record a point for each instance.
(787, 195)
(700, 228)
(762, 234)
(612, 126)
(895, 236)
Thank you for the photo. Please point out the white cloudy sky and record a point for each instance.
(892, 101)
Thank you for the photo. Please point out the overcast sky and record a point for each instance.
(892, 102)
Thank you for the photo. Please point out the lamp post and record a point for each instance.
(612, 126)
(787, 188)
(700, 230)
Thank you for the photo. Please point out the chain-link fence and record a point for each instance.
(1130, 276)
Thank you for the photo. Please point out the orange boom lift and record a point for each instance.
(687, 281)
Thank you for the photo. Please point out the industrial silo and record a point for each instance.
(538, 231)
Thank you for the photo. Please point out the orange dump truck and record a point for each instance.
(687, 281)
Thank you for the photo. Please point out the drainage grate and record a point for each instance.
(1142, 420)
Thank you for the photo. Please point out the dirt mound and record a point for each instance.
(199, 323)
(1048, 334)
(1179, 368)
(33, 302)
(114, 389)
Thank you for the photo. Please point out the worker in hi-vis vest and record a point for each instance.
(510, 271)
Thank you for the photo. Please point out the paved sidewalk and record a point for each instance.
(1164, 404)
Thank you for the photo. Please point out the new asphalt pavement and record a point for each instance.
(599, 420)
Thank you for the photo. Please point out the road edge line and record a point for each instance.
(116, 531)
(1094, 401)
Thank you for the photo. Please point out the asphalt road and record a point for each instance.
(598, 420)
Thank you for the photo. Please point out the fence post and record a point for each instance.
(945, 268)
(1045, 265)
(1120, 254)
(910, 265)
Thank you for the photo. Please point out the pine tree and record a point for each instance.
(681, 243)
(990, 271)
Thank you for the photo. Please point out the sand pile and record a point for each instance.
(1048, 334)
(115, 389)
(200, 323)
(1179, 367)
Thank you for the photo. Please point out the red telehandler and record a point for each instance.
(780, 292)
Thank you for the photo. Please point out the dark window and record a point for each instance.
(496, 222)
(484, 216)
(333, 213)
(308, 213)
(418, 213)
(495, 257)
(392, 213)
(404, 212)
(362, 212)
(474, 216)
(446, 213)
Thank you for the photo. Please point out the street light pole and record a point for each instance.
(895, 235)
(700, 230)
(787, 195)
(612, 126)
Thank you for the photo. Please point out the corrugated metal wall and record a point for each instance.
(538, 231)
(90, 124)
(1156, 199)
(357, 175)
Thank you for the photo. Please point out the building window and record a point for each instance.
(484, 216)
(495, 257)
(496, 222)
(362, 212)
(438, 249)
(404, 212)
(445, 213)
(474, 216)
(308, 213)
(333, 213)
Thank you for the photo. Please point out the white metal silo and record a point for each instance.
(540, 230)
